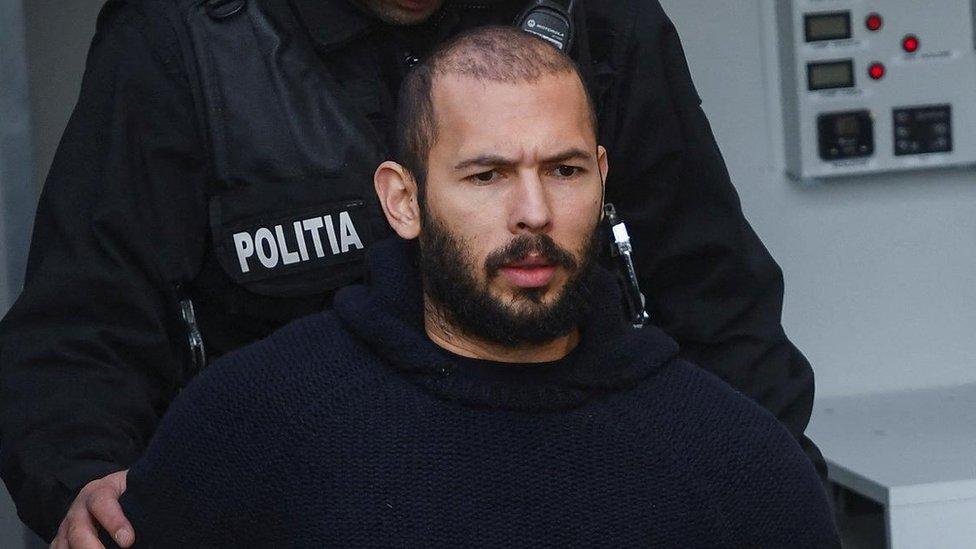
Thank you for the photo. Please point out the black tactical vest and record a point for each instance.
(292, 208)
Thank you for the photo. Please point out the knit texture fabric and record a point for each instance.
(351, 429)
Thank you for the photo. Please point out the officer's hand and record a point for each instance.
(97, 503)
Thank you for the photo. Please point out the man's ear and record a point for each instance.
(397, 191)
(604, 165)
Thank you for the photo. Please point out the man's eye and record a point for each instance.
(484, 177)
(568, 171)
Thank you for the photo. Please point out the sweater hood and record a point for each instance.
(386, 313)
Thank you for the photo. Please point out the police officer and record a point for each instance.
(214, 183)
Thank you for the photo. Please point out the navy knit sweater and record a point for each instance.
(352, 429)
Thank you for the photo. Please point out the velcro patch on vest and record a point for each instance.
(296, 243)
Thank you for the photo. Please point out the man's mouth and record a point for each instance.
(533, 271)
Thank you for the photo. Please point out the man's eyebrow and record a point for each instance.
(485, 160)
(496, 160)
(569, 154)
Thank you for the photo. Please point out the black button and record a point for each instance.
(411, 60)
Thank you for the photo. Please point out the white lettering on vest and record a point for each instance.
(312, 226)
(347, 233)
(300, 238)
(268, 255)
(288, 257)
(330, 230)
(245, 249)
(271, 248)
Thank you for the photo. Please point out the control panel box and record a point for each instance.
(877, 85)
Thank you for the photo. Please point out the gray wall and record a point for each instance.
(879, 271)
(58, 35)
(16, 190)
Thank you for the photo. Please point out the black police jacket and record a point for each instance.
(215, 181)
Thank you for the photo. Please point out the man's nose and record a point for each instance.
(529, 203)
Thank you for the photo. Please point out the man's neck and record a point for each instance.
(446, 336)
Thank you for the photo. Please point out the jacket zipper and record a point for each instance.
(198, 354)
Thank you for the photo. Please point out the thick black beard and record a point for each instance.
(449, 281)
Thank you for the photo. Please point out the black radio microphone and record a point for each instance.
(551, 20)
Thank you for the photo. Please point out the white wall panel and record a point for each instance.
(879, 270)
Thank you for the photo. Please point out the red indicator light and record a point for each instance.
(874, 22)
(911, 43)
(877, 71)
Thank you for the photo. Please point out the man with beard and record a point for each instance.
(483, 389)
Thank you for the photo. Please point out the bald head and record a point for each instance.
(491, 54)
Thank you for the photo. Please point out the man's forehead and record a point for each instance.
(482, 109)
(457, 86)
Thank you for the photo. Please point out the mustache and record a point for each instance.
(522, 246)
